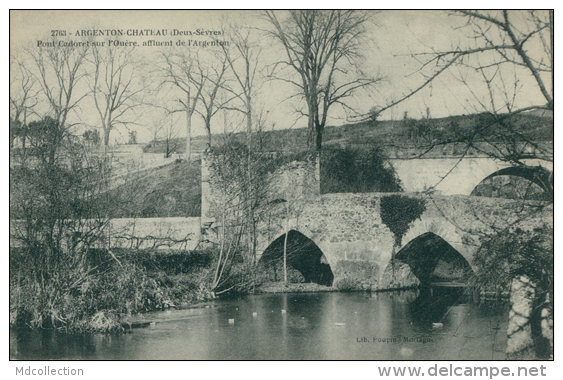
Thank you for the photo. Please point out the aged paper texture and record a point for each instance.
(281, 185)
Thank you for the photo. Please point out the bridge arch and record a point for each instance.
(431, 259)
(303, 256)
(456, 176)
(530, 183)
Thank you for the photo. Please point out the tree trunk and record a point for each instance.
(250, 184)
(285, 257)
(188, 132)
(106, 136)
(319, 140)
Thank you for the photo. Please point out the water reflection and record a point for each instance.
(390, 325)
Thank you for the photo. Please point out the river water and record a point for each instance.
(385, 326)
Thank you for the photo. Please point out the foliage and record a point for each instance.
(59, 276)
(171, 262)
(349, 170)
(513, 252)
(55, 209)
(101, 299)
(73, 301)
(348, 285)
(189, 289)
(398, 212)
(92, 136)
(516, 253)
(240, 177)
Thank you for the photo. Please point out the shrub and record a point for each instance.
(351, 170)
(241, 279)
(98, 299)
(398, 212)
(171, 262)
(184, 289)
(348, 285)
(513, 252)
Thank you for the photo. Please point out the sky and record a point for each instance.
(391, 40)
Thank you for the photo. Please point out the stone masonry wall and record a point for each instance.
(349, 231)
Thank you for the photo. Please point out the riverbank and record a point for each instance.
(106, 289)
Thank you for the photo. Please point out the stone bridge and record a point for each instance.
(348, 230)
(344, 234)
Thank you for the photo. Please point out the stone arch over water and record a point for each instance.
(427, 259)
(528, 183)
(303, 256)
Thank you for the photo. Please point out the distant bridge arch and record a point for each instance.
(460, 175)
(538, 183)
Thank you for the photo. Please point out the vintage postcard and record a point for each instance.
(281, 185)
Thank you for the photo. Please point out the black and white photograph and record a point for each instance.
(282, 185)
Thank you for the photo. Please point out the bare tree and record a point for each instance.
(505, 60)
(519, 43)
(214, 75)
(238, 201)
(243, 61)
(115, 86)
(323, 49)
(59, 71)
(184, 72)
(23, 98)
(168, 132)
(243, 57)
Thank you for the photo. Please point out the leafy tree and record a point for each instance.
(92, 136)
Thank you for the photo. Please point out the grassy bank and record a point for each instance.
(111, 290)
